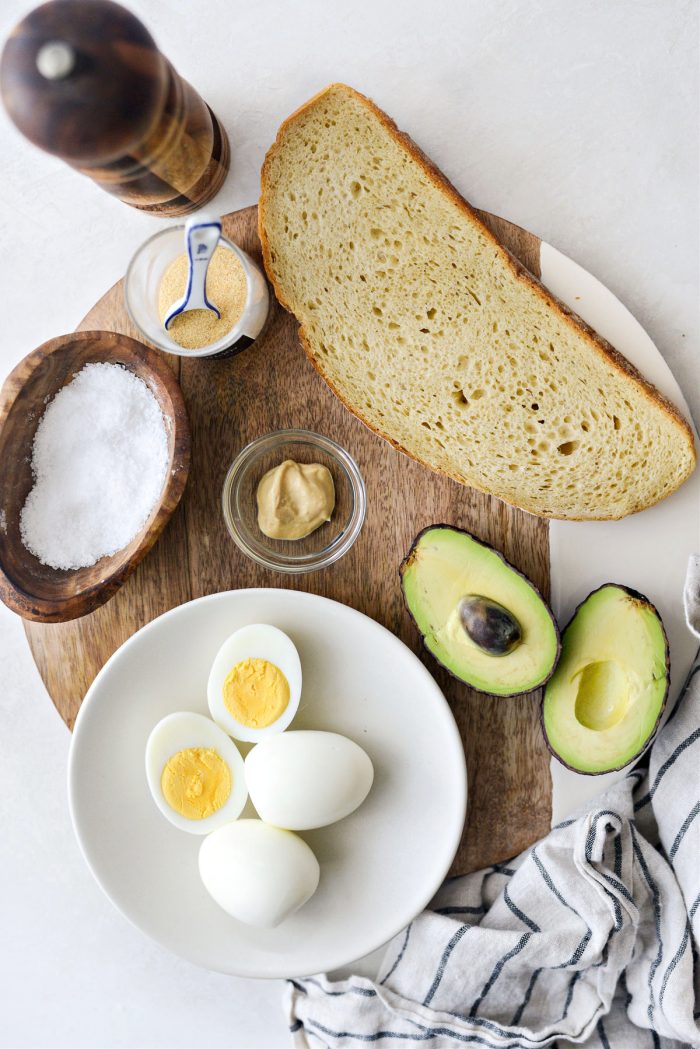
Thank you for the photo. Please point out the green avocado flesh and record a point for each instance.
(604, 700)
(445, 566)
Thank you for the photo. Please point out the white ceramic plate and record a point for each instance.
(647, 551)
(379, 867)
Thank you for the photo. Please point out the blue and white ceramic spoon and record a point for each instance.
(202, 233)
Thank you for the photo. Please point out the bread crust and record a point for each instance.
(600, 345)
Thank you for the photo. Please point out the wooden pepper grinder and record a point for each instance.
(83, 79)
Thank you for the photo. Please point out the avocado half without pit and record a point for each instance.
(479, 616)
(604, 702)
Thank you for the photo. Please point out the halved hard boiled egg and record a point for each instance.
(255, 683)
(195, 773)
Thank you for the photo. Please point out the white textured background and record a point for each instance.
(576, 120)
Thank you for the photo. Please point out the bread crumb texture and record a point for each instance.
(427, 330)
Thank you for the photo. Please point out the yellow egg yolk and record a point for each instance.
(196, 782)
(256, 693)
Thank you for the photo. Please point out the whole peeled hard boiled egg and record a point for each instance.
(255, 683)
(195, 773)
(257, 873)
(306, 779)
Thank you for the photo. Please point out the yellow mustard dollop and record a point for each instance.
(294, 499)
(196, 782)
(256, 693)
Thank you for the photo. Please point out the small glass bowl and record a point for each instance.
(329, 542)
(142, 283)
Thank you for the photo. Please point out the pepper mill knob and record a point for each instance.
(84, 80)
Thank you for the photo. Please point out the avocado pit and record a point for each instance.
(489, 625)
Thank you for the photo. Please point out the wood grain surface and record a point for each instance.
(26, 585)
(270, 386)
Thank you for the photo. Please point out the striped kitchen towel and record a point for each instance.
(589, 937)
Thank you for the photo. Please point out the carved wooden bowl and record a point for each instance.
(27, 586)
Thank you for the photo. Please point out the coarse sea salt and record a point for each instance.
(99, 460)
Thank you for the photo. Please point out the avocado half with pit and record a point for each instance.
(603, 705)
(479, 616)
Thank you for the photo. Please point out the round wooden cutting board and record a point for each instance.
(272, 386)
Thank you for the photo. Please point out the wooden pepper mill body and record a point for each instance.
(84, 80)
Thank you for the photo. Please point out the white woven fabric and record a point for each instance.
(691, 595)
(588, 937)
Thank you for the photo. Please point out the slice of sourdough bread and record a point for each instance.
(429, 330)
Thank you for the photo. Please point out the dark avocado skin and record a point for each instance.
(636, 596)
(453, 528)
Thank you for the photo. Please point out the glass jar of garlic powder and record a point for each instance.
(235, 283)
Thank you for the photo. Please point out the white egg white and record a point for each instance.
(257, 641)
(257, 873)
(306, 779)
(183, 730)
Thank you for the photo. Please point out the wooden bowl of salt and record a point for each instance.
(29, 585)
